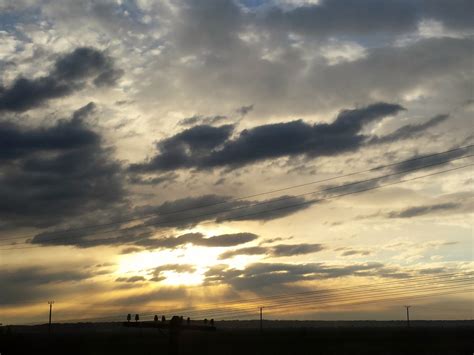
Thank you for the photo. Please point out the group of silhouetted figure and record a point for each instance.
(175, 319)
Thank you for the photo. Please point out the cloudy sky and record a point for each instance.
(157, 154)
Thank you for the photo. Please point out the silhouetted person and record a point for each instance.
(205, 321)
(188, 321)
(137, 317)
(129, 317)
(212, 322)
(163, 318)
(156, 318)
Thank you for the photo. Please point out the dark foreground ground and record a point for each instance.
(245, 338)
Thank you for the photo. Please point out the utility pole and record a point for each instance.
(408, 315)
(261, 319)
(50, 312)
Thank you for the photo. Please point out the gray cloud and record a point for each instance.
(69, 74)
(352, 252)
(244, 110)
(181, 213)
(411, 130)
(202, 120)
(295, 249)
(219, 208)
(130, 279)
(338, 16)
(18, 141)
(244, 251)
(153, 181)
(51, 173)
(198, 140)
(415, 163)
(334, 17)
(423, 210)
(34, 282)
(157, 273)
(207, 147)
(198, 239)
(278, 250)
(260, 277)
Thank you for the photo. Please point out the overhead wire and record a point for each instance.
(348, 291)
(308, 202)
(70, 230)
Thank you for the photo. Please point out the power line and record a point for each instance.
(382, 300)
(349, 297)
(450, 285)
(279, 208)
(266, 299)
(245, 197)
(421, 291)
(344, 292)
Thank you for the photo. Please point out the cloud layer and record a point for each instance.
(70, 73)
(206, 147)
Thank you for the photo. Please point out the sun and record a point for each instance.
(143, 263)
(199, 258)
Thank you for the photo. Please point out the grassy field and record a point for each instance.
(243, 338)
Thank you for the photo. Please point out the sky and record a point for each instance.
(165, 154)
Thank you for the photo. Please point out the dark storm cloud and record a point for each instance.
(180, 150)
(423, 210)
(274, 251)
(54, 172)
(17, 141)
(70, 73)
(205, 147)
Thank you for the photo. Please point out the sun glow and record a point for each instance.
(198, 258)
